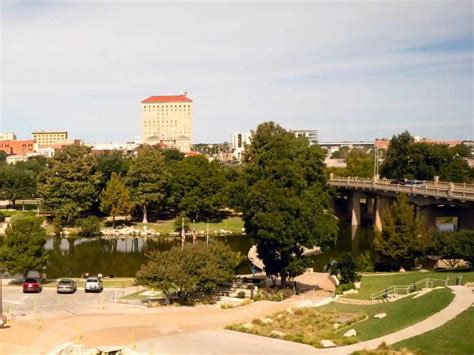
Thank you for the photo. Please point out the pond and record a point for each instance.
(122, 258)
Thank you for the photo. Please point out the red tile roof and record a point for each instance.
(160, 99)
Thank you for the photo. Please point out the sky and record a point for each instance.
(353, 70)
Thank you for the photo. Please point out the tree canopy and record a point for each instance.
(196, 268)
(23, 249)
(400, 238)
(286, 203)
(69, 183)
(115, 199)
(147, 177)
(452, 245)
(424, 161)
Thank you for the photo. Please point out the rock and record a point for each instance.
(280, 316)
(350, 292)
(380, 315)
(401, 269)
(290, 311)
(267, 321)
(357, 285)
(336, 325)
(350, 333)
(277, 333)
(327, 343)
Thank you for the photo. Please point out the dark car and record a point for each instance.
(32, 284)
(399, 182)
(66, 286)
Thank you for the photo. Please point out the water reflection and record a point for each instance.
(72, 257)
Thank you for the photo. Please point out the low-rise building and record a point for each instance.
(50, 138)
(12, 147)
(310, 134)
(7, 136)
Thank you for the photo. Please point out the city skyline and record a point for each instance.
(85, 67)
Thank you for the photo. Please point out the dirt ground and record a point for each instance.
(127, 325)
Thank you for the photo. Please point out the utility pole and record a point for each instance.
(207, 235)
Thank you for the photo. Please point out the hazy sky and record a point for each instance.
(353, 69)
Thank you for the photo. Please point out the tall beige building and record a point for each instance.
(47, 138)
(167, 120)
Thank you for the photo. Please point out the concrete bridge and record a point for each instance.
(432, 199)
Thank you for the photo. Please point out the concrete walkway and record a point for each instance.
(229, 342)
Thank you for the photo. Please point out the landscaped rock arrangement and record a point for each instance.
(380, 315)
(128, 232)
(277, 333)
(350, 333)
(325, 343)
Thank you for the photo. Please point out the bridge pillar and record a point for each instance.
(370, 206)
(380, 204)
(355, 209)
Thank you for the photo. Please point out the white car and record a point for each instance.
(93, 284)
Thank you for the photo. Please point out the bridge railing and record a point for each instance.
(407, 289)
(431, 188)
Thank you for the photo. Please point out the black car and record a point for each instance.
(399, 182)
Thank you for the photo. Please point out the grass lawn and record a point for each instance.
(373, 283)
(233, 224)
(400, 314)
(451, 338)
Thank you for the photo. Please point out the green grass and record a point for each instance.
(11, 213)
(371, 284)
(451, 338)
(400, 314)
(233, 224)
(137, 296)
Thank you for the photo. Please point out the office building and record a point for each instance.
(238, 143)
(167, 121)
(50, 138)
(17, 147)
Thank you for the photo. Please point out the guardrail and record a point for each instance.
(451, 190)
(407, 289)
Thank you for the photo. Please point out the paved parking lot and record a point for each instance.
(49, 302)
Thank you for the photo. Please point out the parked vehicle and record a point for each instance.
(32, 284)
(93, 284)
(417, 183)
(398, 182)
(66, 286)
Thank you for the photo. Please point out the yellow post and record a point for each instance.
(78, 334)
(133, 340)
(9, 315)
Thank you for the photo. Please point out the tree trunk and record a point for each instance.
(113, 221)
(145, 220)
(283, 276)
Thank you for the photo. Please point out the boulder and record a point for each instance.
(380, 315)
(336, 325)
(267, 321)
(248, 325)
(350, 333)
(290, 311)
(277, 333)
(327, 343)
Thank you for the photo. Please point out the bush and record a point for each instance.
(2, 217)
(344, 268)
(241, 294)
(364, 262)
(344, 287)
(89, 226)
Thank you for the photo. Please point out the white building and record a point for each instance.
(311, 134)
(7, 136)
(238, 143)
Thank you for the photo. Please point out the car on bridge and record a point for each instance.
(398, 182)
(417, 183)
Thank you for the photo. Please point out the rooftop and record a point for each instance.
(172, 98)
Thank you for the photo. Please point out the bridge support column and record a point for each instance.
(355, 209)
(380, 203)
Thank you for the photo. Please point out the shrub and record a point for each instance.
(241, 294)
(344, 268)
(364, 262)
(89, 226)
(344, 287)
(2, 217)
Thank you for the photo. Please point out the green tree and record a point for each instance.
(344, 268)
(115, 199)
(286, 203)
(400, 238)
(109, 163)
(360, 163)
(23, 249)
(197, 187)
(452, 245)
(69, 184)
(17, 182)
(196, 268)
(3, 156)
(397, 158)
(341, 153)
(146, 178)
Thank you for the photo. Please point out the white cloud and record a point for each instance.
(86, 66)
